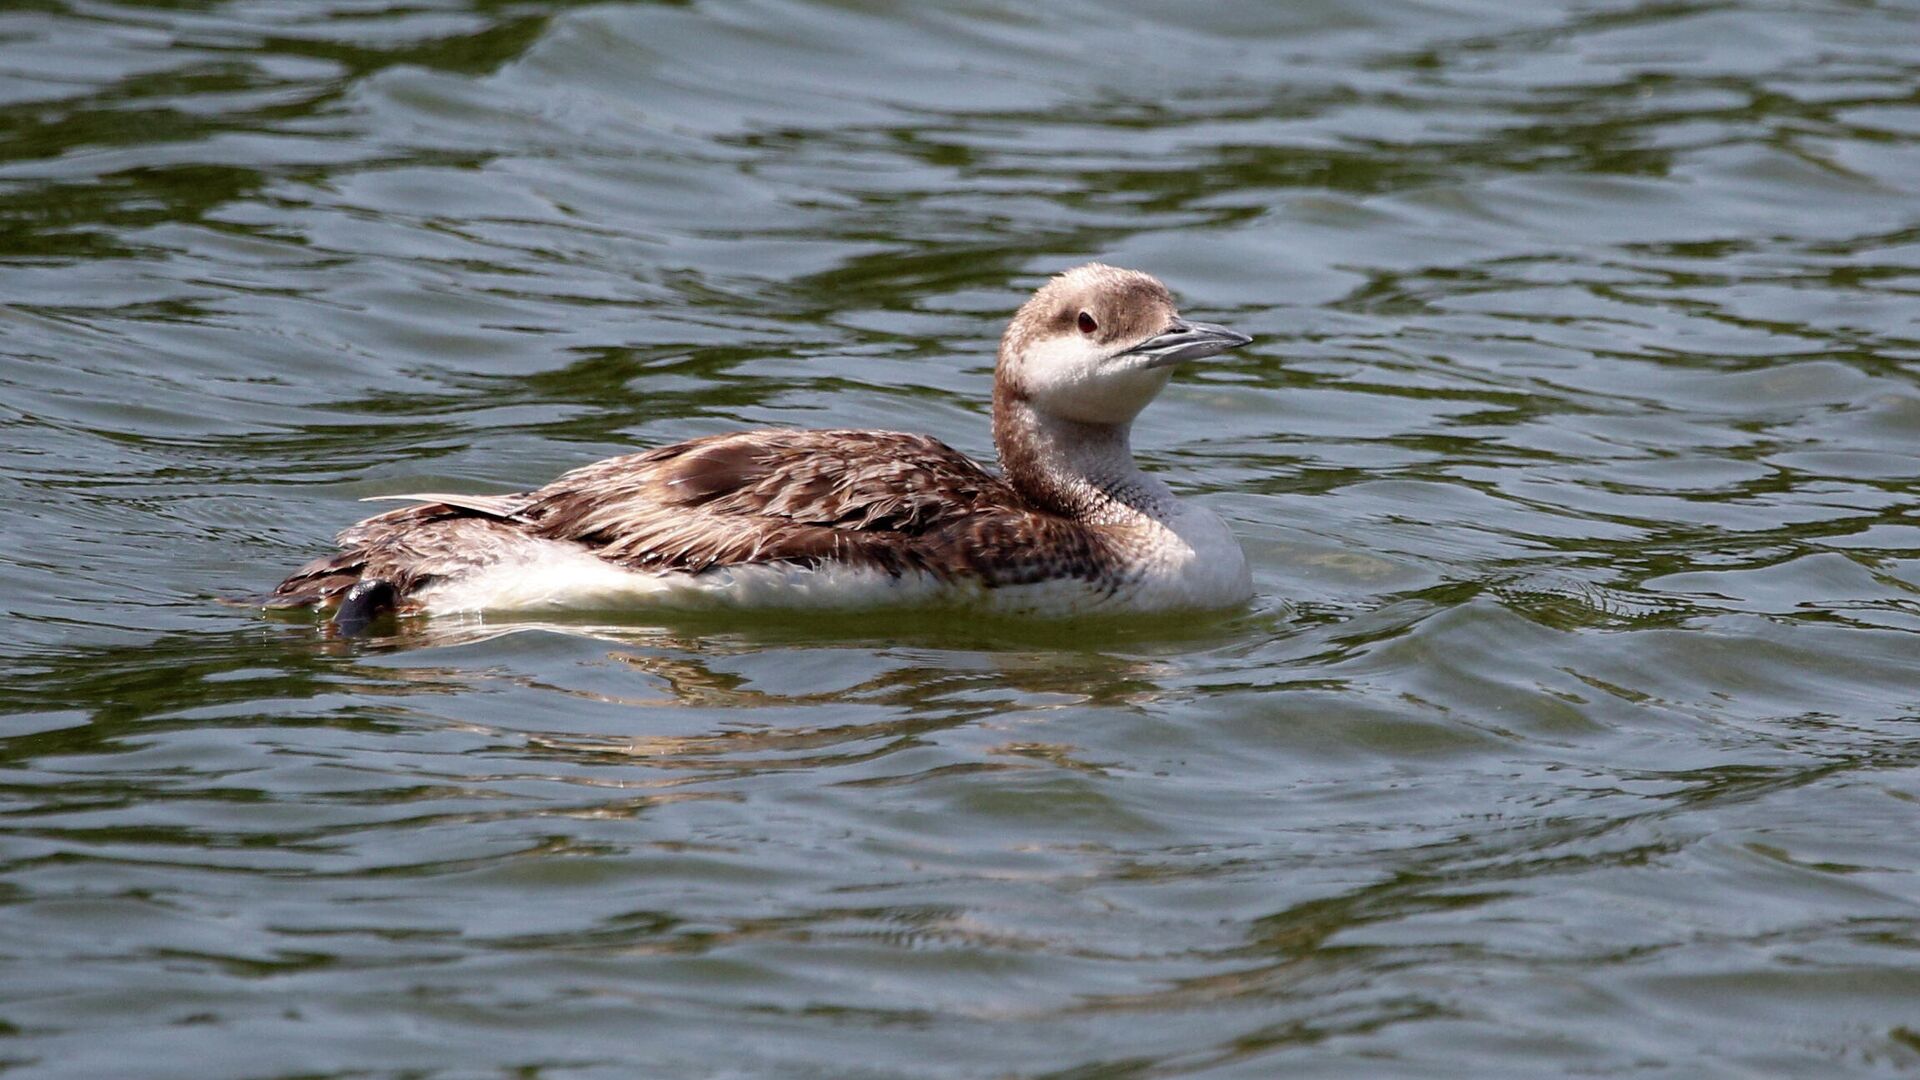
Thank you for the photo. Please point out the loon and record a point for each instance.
(847, 519)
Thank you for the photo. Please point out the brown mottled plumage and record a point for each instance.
(893, 501)
(885, 501)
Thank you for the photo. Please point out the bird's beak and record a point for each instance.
(1183, 340)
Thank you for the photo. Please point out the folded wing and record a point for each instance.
(886, 500)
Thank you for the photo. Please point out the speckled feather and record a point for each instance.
(890, 501)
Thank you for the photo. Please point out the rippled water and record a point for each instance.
(1573, 730)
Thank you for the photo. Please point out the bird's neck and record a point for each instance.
(1078, 470)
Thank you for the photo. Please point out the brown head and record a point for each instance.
(1080, 360)
(1089, 351)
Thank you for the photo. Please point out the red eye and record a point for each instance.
(1087, 325)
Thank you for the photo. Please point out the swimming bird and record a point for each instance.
(847, 519)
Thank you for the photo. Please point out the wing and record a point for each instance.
(891, 501)
(771, 496)
(848, 479)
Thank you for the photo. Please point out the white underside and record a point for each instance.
(566, 578)
(1190, 563)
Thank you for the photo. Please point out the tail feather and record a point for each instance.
(319, 583)
(403, 549)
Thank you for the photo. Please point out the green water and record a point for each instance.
(1572, 732)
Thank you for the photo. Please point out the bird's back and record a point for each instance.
(886, 504)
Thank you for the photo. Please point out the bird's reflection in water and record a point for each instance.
(901, 691)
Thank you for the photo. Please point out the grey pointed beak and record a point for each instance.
(1183, 340)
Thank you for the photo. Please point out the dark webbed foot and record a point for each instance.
(365, 603)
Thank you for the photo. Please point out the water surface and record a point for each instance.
(1573, 730)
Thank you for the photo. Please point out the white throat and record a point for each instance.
(1085, 471)
(1171, 554)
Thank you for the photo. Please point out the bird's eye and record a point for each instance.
(1087, 325)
